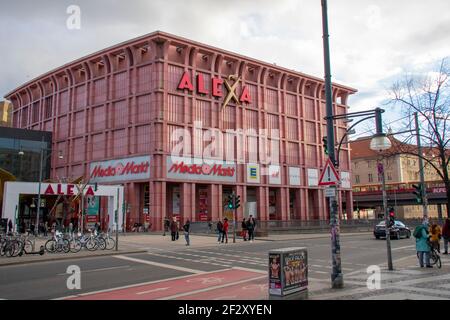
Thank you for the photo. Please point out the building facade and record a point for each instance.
(401, 173)
(5, 114)
(181, 125)
(20, 160)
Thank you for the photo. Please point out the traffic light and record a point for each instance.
(237, 202)
(325, 145)
(391, 218)
(418, 193)
(230, 201)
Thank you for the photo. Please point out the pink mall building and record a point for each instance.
(182, 124)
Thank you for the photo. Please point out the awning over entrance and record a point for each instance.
(12, 190)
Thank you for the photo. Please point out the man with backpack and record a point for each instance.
(251, 225)
(422, 246)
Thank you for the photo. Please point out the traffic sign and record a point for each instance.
(330, 192)
(329, 176)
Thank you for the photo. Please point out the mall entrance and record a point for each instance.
(60, 205)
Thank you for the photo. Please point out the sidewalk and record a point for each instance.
(406, 282)
(142, 242)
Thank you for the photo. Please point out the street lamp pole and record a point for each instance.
(380, 143)
(421, 169)
(386, 217)
(337, 280)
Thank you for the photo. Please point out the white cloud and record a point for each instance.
(371, 42)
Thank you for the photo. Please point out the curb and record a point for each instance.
(306, 236)
(316, 237)
(113, 253)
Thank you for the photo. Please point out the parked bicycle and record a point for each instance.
(109, 242)
(57, 243)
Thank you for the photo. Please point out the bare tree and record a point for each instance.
(429, 96)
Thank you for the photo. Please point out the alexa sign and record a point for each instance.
(65, 190)
(217, 88)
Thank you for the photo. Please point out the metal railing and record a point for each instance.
(274, 226)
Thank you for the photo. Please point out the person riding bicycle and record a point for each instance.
(436, 234)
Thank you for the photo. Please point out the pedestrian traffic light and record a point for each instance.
(418, 193)
(237, 202)
(325, 144)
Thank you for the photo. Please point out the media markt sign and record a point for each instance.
(137, 168)
(182, 168)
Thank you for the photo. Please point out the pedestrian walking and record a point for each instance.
(244, 229)
(446, 234)
(422, 246)
(219, 230)
(10, 226)
(210, 226)
(45, 228)
(225, 230)
(187, 228)
(173, 229)
(435, 236)
(251, 225)
(166, 225)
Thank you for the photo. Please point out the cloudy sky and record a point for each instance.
(372, 42)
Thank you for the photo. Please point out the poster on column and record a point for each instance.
(92, 210)
(176, 200)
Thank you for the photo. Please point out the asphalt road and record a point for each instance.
(47, 280)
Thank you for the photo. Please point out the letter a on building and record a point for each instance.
(329, 176)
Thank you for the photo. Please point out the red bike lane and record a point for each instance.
(205, 286)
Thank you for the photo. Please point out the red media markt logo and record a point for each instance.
(120, 169)
(215, 170)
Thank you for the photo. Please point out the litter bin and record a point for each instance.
(288, 273)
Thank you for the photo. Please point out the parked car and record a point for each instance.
(398, 231)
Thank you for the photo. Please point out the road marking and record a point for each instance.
(220, 261)
(250, 270)
(192, 260)
(95, 270)
(253, 259)
(157, 264)
(154, 290)
(210, 288)
(136, 285)
(405, 247)
(319, 271)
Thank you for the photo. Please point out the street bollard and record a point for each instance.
(288, 274)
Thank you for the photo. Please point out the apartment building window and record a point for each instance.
(370, 177)
(357, 178)
(389, 176)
